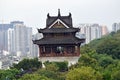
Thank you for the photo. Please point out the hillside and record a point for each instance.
(109, 44)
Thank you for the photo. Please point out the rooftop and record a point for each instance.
(66, 19)
(58, 30)
(66, 40)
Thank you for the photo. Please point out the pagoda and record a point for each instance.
(59, 40)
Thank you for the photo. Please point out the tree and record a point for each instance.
(109, 45)
(87, 60)
(50, 74)
(105, 61)
(116, 75)
(83, 73)
(27, 64)
(8, 74)
(33, 77)
(61, 66)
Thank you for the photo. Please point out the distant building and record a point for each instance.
(104, 30)
(5, 62)
(23, 39)
(5, 27)
(3, 40)
(59, 42)
(16, 38)
(11, 40)
(115, 27)
(15, 41)
(29, 41)
(92, 31)
(4, 35)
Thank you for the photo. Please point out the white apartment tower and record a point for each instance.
(11, 40)
(23, 39)
(29, 42)
(91, 31)
(20, 38)
(115, 27)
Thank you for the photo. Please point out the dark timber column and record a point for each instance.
(78, 49)
(39, 51)
(51, 51)
(78, 52)
(65, 50)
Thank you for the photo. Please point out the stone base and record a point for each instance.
(71, 60)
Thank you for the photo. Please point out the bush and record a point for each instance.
(83, 73)
(27, 64)
(33, 77)
(60, 66)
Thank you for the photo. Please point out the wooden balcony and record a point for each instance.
(58, 54)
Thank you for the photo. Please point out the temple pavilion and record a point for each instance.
(59, 38)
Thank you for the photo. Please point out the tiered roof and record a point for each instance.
(67, 40)
(65, 21)
(58, 30)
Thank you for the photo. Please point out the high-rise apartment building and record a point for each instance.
(3, 40)
(3, 35)
(115, 27)
(23, 39)
(104, 30)
(11, 40)
(92, 31)
(16, 38)
(29, 42)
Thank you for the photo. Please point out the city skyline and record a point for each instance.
(33, 12)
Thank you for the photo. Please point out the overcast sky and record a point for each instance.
(34, 12)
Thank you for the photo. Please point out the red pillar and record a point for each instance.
(78, 53)
(51, 53)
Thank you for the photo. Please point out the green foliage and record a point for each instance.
(116, 75)
(106, 75)
(51, 74)
(109, 45)
(28, 64)
(61, 66)
(103, 64)
(105, 61)
(51, 66)
(83, 73)
(8, 74)
(86, 49)
(33, 77)
(86, 60)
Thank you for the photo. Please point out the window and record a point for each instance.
(47, 49)
(58, 49)
(70, 49)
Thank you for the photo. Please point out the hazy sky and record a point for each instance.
(34, 12)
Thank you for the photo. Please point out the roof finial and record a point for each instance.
(48, 15)
(58, 12)
(69, 14)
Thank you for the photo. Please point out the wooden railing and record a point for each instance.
(58, 54)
